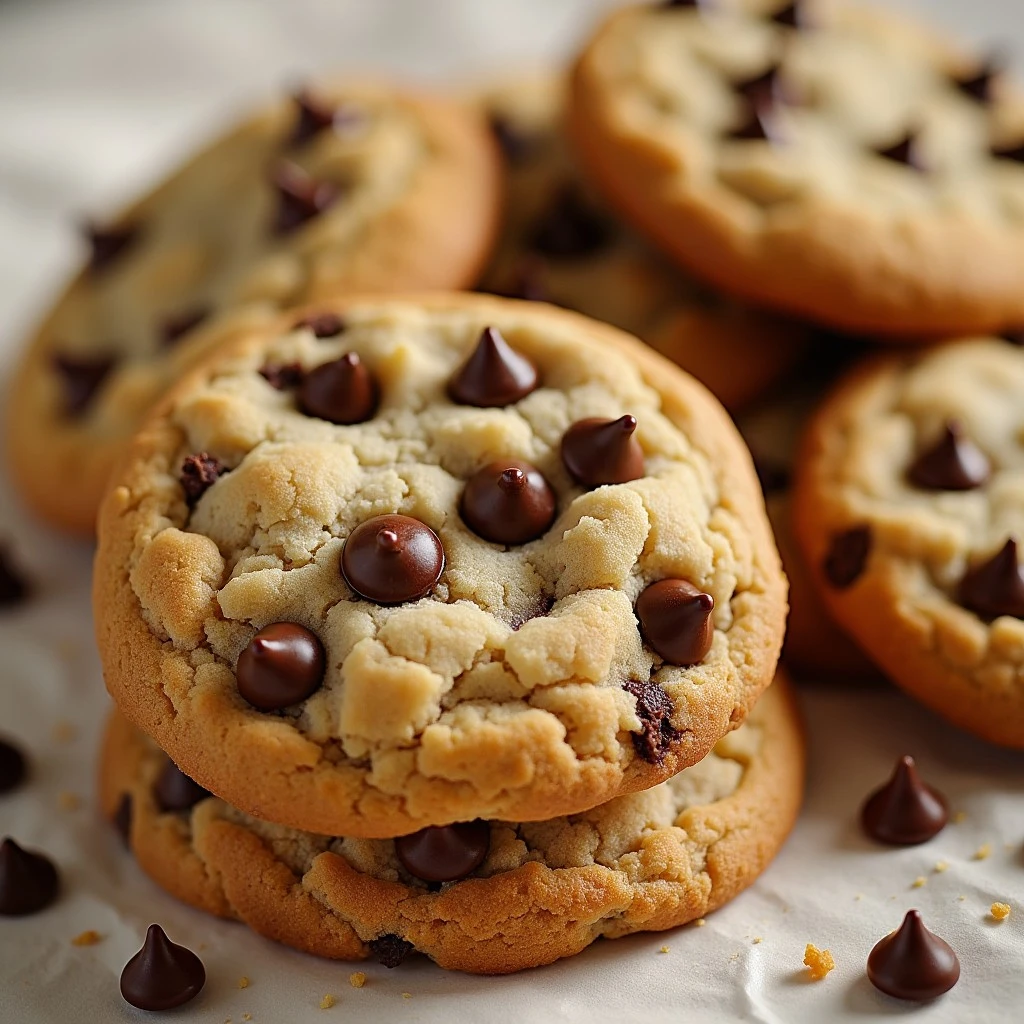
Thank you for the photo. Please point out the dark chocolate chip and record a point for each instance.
(675, 619)
(323, 325)
(995, 587)
(173, 328)
(315, 116)
(764, 90)
(282, 665)
(106, 244)
(793, 15)
(390, 950)
(516, 144)
(12, 766)
(81, 378)
(760, 126)
(953, 463)
(13, 588)
(1011, 152)
(570, 227)
(508, 502)
(28, 881)
(980, 84)
(906, 151)
(175, 791)
(198, 474)
(905, 811)
(391, 559)
(300, 198)
(847, 557)
(445, 853)
(162, 974)
(494, 375)
(654, 709)
(913, 962)
(599, 451)
(282, 376)
(123, 820)
(1015, 336)
(342, 391)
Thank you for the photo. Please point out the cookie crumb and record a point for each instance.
(90, 938)
(858, 897)
(357, 979)
(940, 866)
(68, 801)
(664, 949)
(758, 940)
(407, 995)
(961, 898)
(1000, 911)
(327, 1002)
(64, 732)
(243, 982)
(919, 883)
(818, 962)
(246, 1016)
(983, 852)
(959, 817)
(699, 923)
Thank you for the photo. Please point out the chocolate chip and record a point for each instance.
(794, 15)
(81, 378)
(508, 502)
(445, 853)
(28, 881)
(123, 819)
(515, 144)
(494, 375)
(654, 709)
(906, 151)
(953, 463)
(323, 325)
(173, 328)
(300, 197)
(390, 559)
(282, 665)
(315, 116)
(342, 391)
(162, 975)
(598, 451)
(675, 619)
(760, 126)
(106, 244)
(175, 791)
(764, 90)
(570, 227)
(847, 557)
(199, 473)
(282, 376)
(905, 811)
(913, 962)
(1015, 336)
(13, 588)
(1012, 152)
(980, 84)
(995, 587)
(12, 766)
(390, 950)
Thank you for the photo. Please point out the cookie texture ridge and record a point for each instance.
(853, 168)
(544, 890)
(343, 188)
(922, 568)
(462, 677)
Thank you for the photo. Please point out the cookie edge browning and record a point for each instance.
(478, 925)
(808, 266)
(138, 667)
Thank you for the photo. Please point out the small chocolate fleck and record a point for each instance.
(392, 559)
(314, 116)
(516, 145)
(445, 853)
(342, 391)
(13, 588)
(654, 709)
(1014, 152)
(282, 376)
(980, 84)
(28, 881)
(508, 502)
(598, 451)
(323, 325)
(913, 962)
(162, 974)
(390, 950)
(81, 378)
(793, 15)
(174, 327)
(12, 766)
(494, 375)
(281, 666)
(300, 197)
(953, 463)
(675, 619)
(106, 244)
(847, 557)
(570, 227)
(175, 791)
(905, 811)
(199, 473)
(906, 151)
(995, 587)
(123, 819)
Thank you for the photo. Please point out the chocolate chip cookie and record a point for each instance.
(828, 159)
(909, 503)
(483, 896)
(390, 564)
(341, 188)
(561, 244)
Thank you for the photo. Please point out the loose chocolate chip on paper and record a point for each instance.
(12, 766)
(28, 881)
(913, 963)
(906, 810)
(162, 974)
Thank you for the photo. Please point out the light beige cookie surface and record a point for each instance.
(519, 685)
(909, 492)
(362, 189)
(539, 891)
(824, 158)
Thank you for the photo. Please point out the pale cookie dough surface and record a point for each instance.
(418, 182)
(903, 605)
(643, 862)
(814, 221)
(501, 693)
(619, 277)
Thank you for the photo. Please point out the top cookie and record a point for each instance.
(343, 188)
(561, 244)
(475, 652)
(823, 158)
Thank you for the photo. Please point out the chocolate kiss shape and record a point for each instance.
(81, 377)
(175, 791)
(508, 502)
(282, 665)
(913, 962)
(675, 618)
(106, 244)
(12, 766)
(905, 811)
(316, 116)
(445, 853)
(28, 881)
(162, 975)
(847, 556)
(978, 86)
(300, 197)
(391, 559)
(954, 463)
(342, 391)
(598, 451)
(995, 587)
(570, 227)
(907, 151)
(494, 375)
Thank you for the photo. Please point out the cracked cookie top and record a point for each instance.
(338, 629)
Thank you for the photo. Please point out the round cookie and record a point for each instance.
(909, 494)
(464, 677)
(827, 159)
(344, 188)
(561, 244)
(537, 892)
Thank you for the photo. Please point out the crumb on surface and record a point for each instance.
(327, 1002)
(243, 982)
(246, 1016)
(64, 731)
(699, 923)
(859, 897)
(942, 865)
(407, 995)
(357, 979)
(68, 801)
(758, 940)
(959, 817)
(87, 938)
(664, 949)
(983, 852)
(961, 898)
(818, 961)
(919, 883)
(1000, 911)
